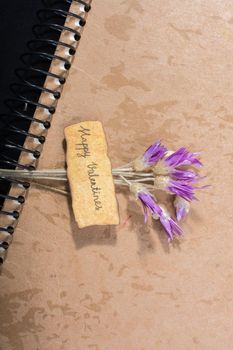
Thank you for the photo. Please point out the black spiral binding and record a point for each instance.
(25, 101)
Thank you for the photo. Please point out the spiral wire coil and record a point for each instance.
(32, 77)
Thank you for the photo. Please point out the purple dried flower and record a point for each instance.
(154, 153)
(181, 157)
(151, 156)
(182, 189)
(184, 175)
(157, 212)
(182, 207)
(179, 187)
(147, 200)
(171, 227)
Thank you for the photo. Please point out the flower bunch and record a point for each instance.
(160, 169)
(174, 172)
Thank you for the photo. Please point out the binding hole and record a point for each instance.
(62, 81)
(15, 214)
(10, 229)
(4, 245)
(36, 154)
(82, 22)
(41, 139)
(87, 8)
(72, 52)
(52, 110)
(57, 95)
(77, 37)
(31, 167)
(67, 66)
(26, 185)
(46, 124)
(21, 199)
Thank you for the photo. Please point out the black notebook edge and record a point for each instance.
(23, 106)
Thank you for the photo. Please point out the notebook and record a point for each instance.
(147, 71)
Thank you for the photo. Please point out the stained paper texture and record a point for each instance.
(90, 175)
(148, 70)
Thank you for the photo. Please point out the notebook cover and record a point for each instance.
(147, 70)
(16, 18)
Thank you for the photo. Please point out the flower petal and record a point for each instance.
(154, 153)
(182, 157)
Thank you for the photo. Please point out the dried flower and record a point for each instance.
(179, 158)
(179, 187)
(171, 227)
(182, 207)
(156, 211)
(184, 175)
(183, 157)
(151, 156)
(147, 200)
(169, 172)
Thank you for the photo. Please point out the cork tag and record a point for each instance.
(90, 175)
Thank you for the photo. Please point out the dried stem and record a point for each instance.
(123, 176)
(51, 188)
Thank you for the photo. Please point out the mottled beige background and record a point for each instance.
(147, 70)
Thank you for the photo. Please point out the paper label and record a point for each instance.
(90, 175)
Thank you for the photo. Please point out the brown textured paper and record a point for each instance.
(90, 175)
(147, 70)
